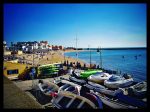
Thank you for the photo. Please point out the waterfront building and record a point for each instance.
(13, 70)
(44, 44)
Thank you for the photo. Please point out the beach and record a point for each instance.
(50, 57)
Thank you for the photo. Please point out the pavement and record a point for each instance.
(28, 85)
(15, 98)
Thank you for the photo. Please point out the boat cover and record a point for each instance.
(131, 100)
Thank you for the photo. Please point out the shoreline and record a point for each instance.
(51, 57)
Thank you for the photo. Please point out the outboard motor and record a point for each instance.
(126, 76)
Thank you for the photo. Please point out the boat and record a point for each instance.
(66, 85)
(113, 102)
(131, 100)
(95, 99)
(85, 74)
(101, 89)
(66, 99)
(116, 81)
(138, 90)
(99, 77)
(47, 87)
(92, 85)
(76, 80)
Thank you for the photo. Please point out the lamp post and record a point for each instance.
(90, 54)
(76, 47)
(100, 57)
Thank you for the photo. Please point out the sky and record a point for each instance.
(105, 25)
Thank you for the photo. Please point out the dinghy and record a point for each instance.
(76, 80)
(113, 102)
(99, 77)
(87, 73)
(65, 100)
(92, 85)
(101, 89)
(139, 90)
(66, 85)
(131, 100)
(116, 81)
(47, 87)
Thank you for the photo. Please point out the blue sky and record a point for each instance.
(105, 25)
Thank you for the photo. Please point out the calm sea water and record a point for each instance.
(112, 59)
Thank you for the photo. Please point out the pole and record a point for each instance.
(33, 67)
(33, 54)
(64, 55)
(90, 55)
(76, 46)
(100, 57)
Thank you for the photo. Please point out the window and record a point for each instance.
(11, 72)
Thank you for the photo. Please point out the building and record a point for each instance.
(55, 47)
(13, 70)
(70, 48)
(44, 44)
(49, 47)
(24, 46)
(19, 52)
(61, 47)
(7, 52)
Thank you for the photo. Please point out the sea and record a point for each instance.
(130, 61)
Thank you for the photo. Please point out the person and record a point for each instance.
(73, 73)
(70, 71)
(84, 90)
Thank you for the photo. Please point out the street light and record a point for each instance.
(100, 59)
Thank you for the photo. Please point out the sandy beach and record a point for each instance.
(50, 57)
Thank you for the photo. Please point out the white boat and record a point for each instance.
(116, 81)
(66, 85)
(72, 88)
(47, 87)
(92, 85)
(65, 100)
(101, 89)
(99, 77)
(138, 90)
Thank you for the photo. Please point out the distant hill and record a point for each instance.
(121, 48)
